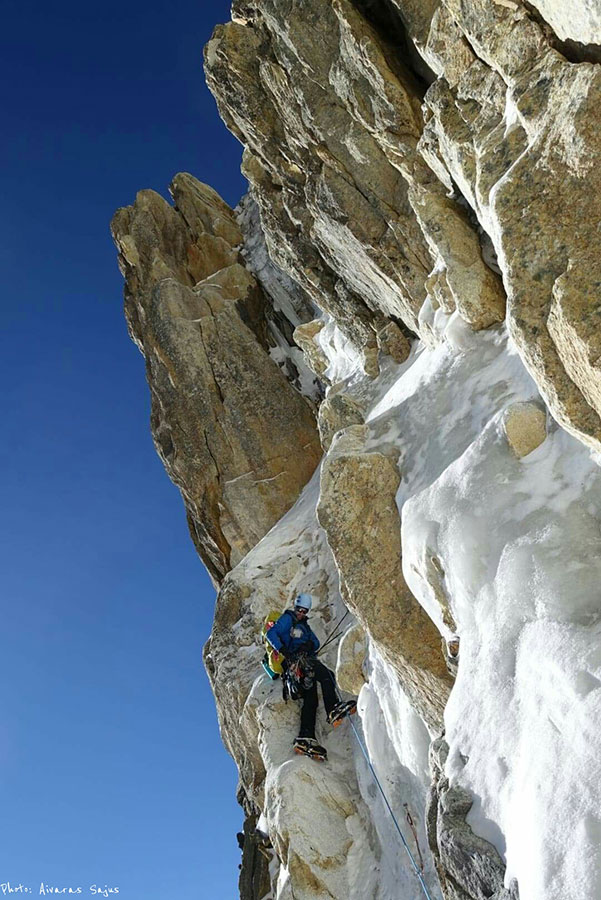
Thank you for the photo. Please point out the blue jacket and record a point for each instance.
(290, 635)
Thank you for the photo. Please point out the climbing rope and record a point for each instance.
(418, 871)
(416, 868)
(333, 634)
(388, 806)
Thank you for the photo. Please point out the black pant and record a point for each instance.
(325, 677)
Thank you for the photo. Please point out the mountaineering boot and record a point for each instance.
(310, 747)
(340, 711)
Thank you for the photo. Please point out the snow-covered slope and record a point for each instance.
(516, 542)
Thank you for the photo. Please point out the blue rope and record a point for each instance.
(388, 806)
(376, 779)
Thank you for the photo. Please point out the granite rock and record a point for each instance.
(357, 510)
(525, 426)
(224, 418)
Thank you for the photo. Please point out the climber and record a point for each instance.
(293, 639)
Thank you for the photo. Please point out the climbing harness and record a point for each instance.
(389, 808)
(299, 675)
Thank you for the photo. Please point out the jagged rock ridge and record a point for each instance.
(200, 319)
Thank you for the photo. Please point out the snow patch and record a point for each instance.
(345, 363)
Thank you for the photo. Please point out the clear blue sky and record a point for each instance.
(111, 767)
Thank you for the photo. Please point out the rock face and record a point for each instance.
(198, 316)
(517, 131)
(337, 411)
(336, 138)
(333, 218)
(358, 512)
(305, 335)
(255, 880)
(353, 180)
(525, 427)
(580, 21)
(317, 816)
(352, 654)
(468, 866)
(414, 269)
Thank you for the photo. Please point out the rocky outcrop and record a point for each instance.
(468, 866)
(354, 185)
(526, 427)
(517, 132)
(579, 21)
(305, 335)
(255, 881)
(199, 318)
(375, 220)
(358, 512)
(352, 657)
(337, 412)
(393, 342)
(289, 308)
(335, 211)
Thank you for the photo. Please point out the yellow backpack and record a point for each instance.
(272, 661)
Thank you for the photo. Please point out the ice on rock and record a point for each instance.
(504, 552)
(520, 542)
(344, 358)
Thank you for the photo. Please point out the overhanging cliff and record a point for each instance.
(378, 381)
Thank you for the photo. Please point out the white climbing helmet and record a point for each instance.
(303, 601)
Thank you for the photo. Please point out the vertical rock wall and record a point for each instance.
(235, 436)
(362, 189)
(418, 246)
